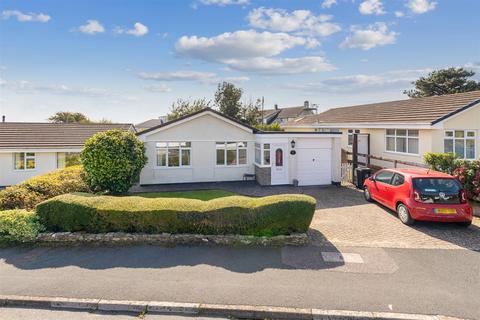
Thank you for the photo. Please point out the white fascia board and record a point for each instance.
(168, 126)
(392, 125)
(39, 150)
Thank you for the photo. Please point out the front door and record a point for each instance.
(279, 162)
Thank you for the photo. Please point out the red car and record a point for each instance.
(420, 194)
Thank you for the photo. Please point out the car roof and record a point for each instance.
(420, 173)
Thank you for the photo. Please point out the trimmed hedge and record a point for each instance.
(267, 216)
(18, 225)
(29, 193)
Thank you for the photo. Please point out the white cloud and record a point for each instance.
(138, 30)
(400, 79)
(158, 88)
(92, 27)
(24, 86)
(237, 45)
(182, 75)
(299, 21)
(223, 3)
(371, 7)
(374, 35)
(328, 3)
(421, 6)
(236, 79)
(399, 14)
(283, 65)
(24, 17)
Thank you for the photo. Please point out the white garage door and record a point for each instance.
(314, 166)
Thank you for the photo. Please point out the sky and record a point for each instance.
(128, 61)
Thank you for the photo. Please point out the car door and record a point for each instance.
(393, 190)
(381, 185)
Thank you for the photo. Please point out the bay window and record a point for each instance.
(173, 154)
(460, 142)
(231, 153)
(262, 154)
(24, 160)
(402, 141)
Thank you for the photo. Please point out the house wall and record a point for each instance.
(467, 120)
(202, 132)
(44, 162)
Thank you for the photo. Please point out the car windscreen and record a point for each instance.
(438, 190)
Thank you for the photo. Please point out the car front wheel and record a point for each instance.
(367, 195)
(404, 214)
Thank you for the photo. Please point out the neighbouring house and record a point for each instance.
(29, 149)
(407, 129)
(283, 115)
(207, 146)
(150, 123)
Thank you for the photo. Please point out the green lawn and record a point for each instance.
(203, 195)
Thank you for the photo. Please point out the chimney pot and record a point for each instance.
(3, 118)
(276, 106)
(306, 104)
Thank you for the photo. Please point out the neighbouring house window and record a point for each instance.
(174, 154)
(330, 130)
(350, 135)
(231, 153)
(279, 157)
(460, 142)
(67, 159)
(24, 160)
(402, 141)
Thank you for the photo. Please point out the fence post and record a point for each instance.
(394, 163)
(354, 154)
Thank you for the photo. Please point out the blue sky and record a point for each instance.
(129, 60)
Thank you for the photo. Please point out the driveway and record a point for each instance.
(344, 218)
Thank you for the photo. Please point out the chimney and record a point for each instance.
(306, 104)
(276, 106)
(3, 118)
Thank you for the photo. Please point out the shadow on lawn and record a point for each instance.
(235, 259)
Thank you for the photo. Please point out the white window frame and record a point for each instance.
(65, 153)
(465, 138)
(262, 154)
(407, 137)
(237, 153)
(180, 154)
(25, 160)
(350, 133)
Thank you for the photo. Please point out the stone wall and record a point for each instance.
(165, 239)
(263, 175)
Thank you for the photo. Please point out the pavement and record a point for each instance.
(45, 314)
(422, 281)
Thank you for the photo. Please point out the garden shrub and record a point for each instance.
(273, 215)
(113, 161)
(269, 127)
(467, 171)
(19, 225)
(29, 193)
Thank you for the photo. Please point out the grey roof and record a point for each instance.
(148, 124)
(40, 135)
(417, 110)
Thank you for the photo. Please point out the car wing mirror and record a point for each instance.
(371, 178)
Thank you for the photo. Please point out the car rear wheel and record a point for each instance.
(404, 214)
(367, 195)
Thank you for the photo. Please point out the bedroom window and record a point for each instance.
(402, 141)
(231, 153)
(67, 159)
(460, 142)
(173, 154)
(350, 135)
(24, 160)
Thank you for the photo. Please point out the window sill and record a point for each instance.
(404, 153)
(235, 166)
(172, 168)
(262, 165)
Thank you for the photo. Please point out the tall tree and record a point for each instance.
(250, 112)
(444, 81)
(227, 99)
(183, 107)
(69, 117)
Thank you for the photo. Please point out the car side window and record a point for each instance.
(384, 176)
(398, 180)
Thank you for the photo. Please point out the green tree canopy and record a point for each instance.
(444, 81)
(227, 99)
(183, 107)
(250, 112)
(69, 117)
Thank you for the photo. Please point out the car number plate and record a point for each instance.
(445, 211)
